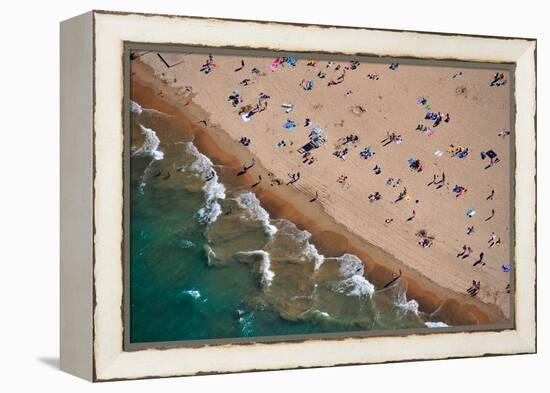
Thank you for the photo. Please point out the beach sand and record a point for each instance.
(342, 219)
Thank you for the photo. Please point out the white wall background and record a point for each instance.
(29, 184)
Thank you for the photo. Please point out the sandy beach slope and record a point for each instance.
(342, 217)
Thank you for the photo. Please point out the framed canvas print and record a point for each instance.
(245, 195)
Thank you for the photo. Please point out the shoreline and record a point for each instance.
(329, 237)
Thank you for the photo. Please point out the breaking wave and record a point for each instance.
(251, 204)
(213, 189)
(266, 273)
(436, 324)
(354, 282)
(150, 145)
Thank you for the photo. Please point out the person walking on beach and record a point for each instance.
(246, 168)
(475, 288)
(294, 178)
(491, 195)
(480, 260)
(314, 198)
(258, 182)
(412, 216)
(241, 67)
(394, 278)
(402, 195)
(464, 249)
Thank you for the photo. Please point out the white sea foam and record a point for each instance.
(436, 324)
(186, 243)
(312, 253)
(150, 145)
(138, 109)
(135, 107)
(202, 164)
(350, 265)
(248, 201)
(193, 293)
(247, 323)
(265, 266)
(213, 189)
(210, 255)
(407, 305)
(355, 285)
(354, 282)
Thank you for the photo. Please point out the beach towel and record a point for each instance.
(463, 153)
(275, 64)
(291, 61)
(289, 125)
(288, 107)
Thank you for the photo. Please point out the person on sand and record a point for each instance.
(503, 134)
(491, 195)
(388, 220)
(241, 67)
(314, 198)
(412, 216)
(474, 289)
(425, 243)
(294, 178)
(402, 195)
(394, 278)
(258, 182)
(470, 230)
(375, 197)
(491, 216)
(464, 249)
(253, 162)
(480, 260)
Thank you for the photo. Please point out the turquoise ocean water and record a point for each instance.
(208, 262)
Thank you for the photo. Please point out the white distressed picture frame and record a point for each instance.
(92, 195)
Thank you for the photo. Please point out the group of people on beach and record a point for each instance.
(344, 146)
(207, 67)
(498, 79)
(474, 289)
(391, 137)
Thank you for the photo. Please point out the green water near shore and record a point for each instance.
(207, 262)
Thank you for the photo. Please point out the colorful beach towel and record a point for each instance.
(289, 125)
